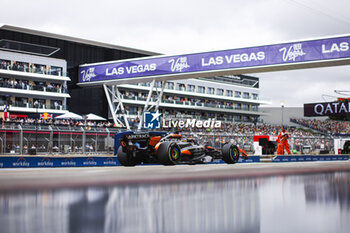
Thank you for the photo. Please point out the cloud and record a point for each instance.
(303, 86)
(186, 26)
(181, 26)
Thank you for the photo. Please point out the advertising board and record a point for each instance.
(341, 108)
(302, 54)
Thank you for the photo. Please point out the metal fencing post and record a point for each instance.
(96, 143)
(108, 141)
(5, 141)
(83, 140)
(2, 145)
(20, 140)
(70, 141)
(51, 140)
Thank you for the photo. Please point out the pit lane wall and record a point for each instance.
(46, 162)
(41, 162)
(309, 158)
(37, 162)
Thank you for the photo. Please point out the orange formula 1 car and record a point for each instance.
(168, 149)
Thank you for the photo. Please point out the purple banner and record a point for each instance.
(288, 53)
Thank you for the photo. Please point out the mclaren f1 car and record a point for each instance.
(168, 149)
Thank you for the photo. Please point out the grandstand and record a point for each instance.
(45, 67)
(34, 80)
(35, 66)
(30, 84)
(225, 98)
(328, 127)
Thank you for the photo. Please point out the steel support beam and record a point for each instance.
(148, 106)
(115, 102)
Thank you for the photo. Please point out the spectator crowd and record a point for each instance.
(329, 127)
(30, 67)
(59, 122)
(33, 85)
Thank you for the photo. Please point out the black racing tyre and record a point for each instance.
(346, 148)
(168, 153)
(125, 159)
(230, 153)
(270, 148)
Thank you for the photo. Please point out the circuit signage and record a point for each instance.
(294, 55)
(327, 109)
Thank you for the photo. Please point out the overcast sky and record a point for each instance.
(186, 26)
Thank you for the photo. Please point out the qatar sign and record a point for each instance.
(293, 55)
(327, 109)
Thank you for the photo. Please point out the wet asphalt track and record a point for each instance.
(30, 178)
(260, 197)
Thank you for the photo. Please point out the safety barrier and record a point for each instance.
(100, 161)
(50, 162)
(41, 162)
(17, 140)
(309, 158)
(251, 159)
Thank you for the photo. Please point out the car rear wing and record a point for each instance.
(119, 136)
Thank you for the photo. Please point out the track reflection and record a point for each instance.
(309, 203)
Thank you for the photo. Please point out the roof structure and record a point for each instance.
(70, 115)
(94, 117)
(74, 39)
